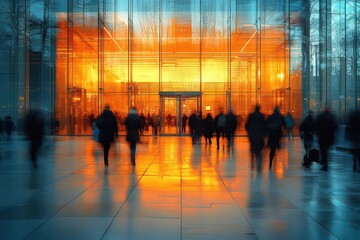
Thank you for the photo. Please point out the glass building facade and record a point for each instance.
(173, 57)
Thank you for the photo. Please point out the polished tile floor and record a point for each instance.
(176, 191)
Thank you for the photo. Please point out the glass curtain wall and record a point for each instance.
(333, 35)
(27, 58)
(175, 56)
(213, 55)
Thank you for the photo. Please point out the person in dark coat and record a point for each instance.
(256, 128)
(325, 127)
(107, 125)
(193, 124)
(208, 125)
(183, 122)
(133, 126)
(34, 129)
(275, 123)
(1, 129)
(307, 130)
(220, 127)
(353, 135)
(9, 127)
(289, 124)
(231, 125)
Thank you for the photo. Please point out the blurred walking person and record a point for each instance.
(275, 123)
(155, 120)
(1, 129)
(9, 127)
(183, 123)
(208, 125)
(307, 130)
(289, 124)
(34, 129)
(256, 128)
(231, 125)
(133, 126)
(325, 127)
(220, 127)
(353, 135)
(193, 124)
(107, 125)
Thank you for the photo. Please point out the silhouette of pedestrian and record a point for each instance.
(183, 122)
(1, 129)
(256, 128)
(9, 127)
(107, 125)
(231, 125)
(208, 126)
(34, 129)
(275, 122)
(193, 124)
(169, 119)
(133, 126)
(353, 135)
(289, 124)
(325, 127)
(307, 129)
(155, 120)
(199, 128)
(220, 127)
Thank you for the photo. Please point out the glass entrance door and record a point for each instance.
(173, 109)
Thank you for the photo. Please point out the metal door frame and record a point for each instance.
(178, 97)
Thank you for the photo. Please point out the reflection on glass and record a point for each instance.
(215, 48)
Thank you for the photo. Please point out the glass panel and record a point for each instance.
(244, 38)
(115, 57)
(295, 44)
(180, 45)
(274, 73)
(62, 72)
(173, 108)
(215, 47)
(188, 105)
(170, 109)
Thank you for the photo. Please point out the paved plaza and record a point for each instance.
(176, 191)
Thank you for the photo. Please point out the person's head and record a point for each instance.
(257, 108)
(132, 110)
(107, 107)
(276, 109)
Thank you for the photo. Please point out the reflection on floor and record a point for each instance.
(176, 191)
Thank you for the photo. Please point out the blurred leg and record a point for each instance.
(132, 152)
(106, 147)
(272, 154)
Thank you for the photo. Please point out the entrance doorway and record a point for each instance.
(175, 105)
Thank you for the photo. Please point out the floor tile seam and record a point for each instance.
(309, 216)
(60, 209)
(181, 197)
(319, 223)
(129, 194)
(233, 198)
(69, 202)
